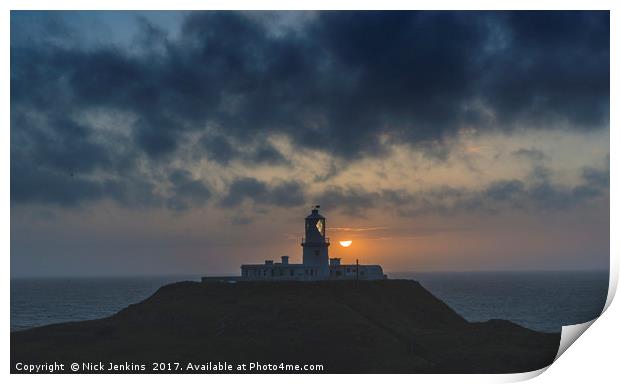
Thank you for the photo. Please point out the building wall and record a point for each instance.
(280, 272)
(350, 272)
(317, 256)
(301, 272)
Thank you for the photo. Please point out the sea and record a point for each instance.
(543, 301)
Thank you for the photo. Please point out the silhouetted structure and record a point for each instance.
(316, 264)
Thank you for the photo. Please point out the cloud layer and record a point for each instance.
(345, 84)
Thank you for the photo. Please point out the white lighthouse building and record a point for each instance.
(316, 264)
(315, 245)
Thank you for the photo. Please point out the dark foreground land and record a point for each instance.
(390, 326)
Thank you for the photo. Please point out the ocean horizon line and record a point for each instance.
(401, 272)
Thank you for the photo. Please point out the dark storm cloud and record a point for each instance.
(598, 178)
(220, 150)
(266, 154)
(60, 144)
(336, 85)
(554, 66)
(596, 182)
(187, 192)
(352, 200)
(504, 189)
(42, 186)
(46, 186)
(500, 196)
(283, 194)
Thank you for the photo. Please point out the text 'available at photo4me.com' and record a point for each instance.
(168, 367)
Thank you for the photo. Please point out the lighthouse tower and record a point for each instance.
(315, 243)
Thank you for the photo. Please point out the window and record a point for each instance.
(317, 252)
(292, 272)
(320, 226)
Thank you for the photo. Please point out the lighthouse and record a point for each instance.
(315, 265)
(315, 244)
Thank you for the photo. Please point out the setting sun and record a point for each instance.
(346, 243)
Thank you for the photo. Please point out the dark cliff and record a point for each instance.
(352, 327)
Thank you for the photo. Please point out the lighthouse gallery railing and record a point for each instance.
(303, 241)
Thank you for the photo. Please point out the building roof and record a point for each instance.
(315, 214)
(276, 265)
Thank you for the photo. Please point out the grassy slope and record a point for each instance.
(382, 326)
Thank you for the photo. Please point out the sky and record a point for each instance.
(152, 143)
